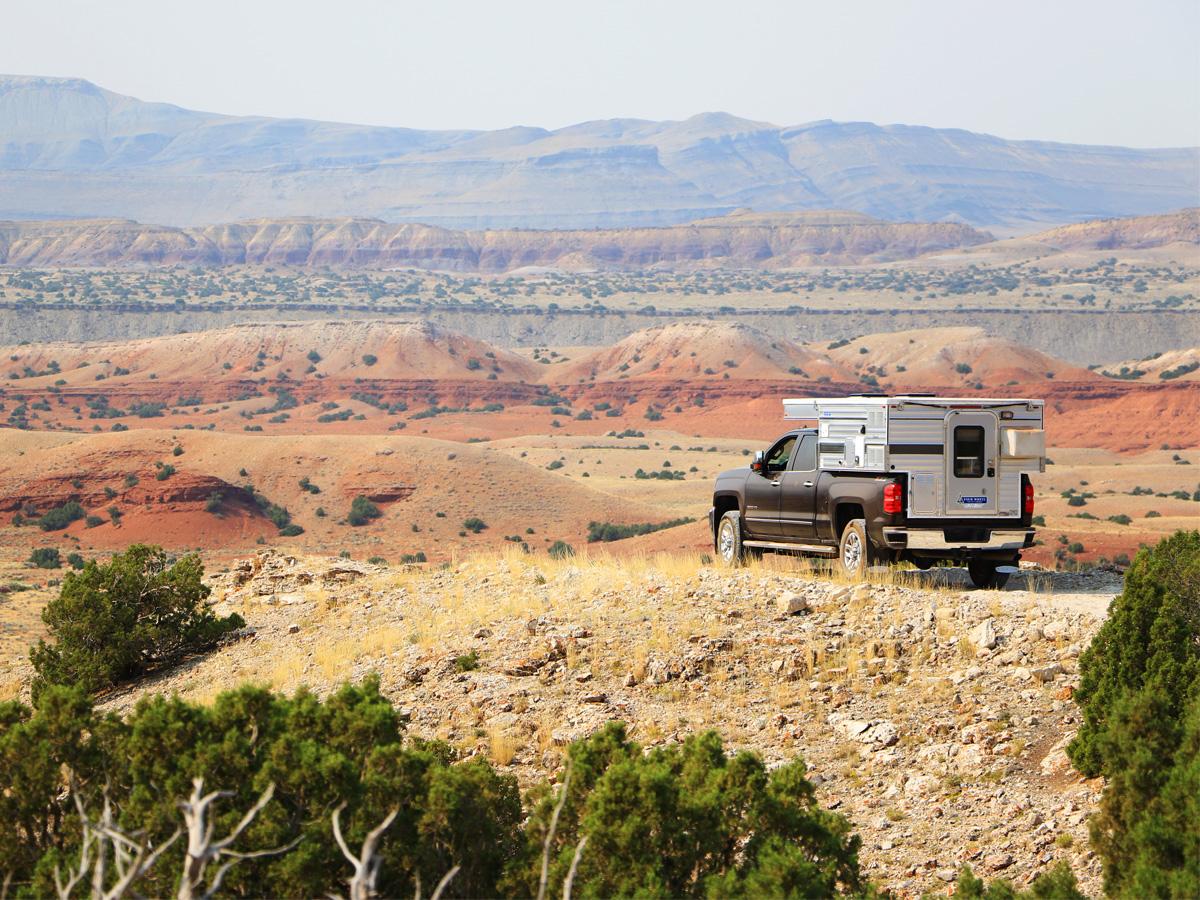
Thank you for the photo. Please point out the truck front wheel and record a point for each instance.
(729, 539)
(856, 553)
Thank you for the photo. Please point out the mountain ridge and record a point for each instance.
(72, 149)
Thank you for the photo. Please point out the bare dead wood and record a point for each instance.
(366, 864)
(203, 849)
(546, 845)
(569, 881)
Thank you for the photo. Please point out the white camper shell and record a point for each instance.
(964, 456)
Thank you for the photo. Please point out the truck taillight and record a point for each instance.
(892, 498)
(1028, 497)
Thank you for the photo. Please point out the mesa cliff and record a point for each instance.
(740, 240)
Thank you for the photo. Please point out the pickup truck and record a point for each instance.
(806, 494)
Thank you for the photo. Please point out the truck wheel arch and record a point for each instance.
(845, 511)
(723, 503)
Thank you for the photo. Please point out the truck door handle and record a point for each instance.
(774, 484)
(808, 484)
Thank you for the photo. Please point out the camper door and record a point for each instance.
(972, 464)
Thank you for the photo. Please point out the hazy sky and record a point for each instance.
(1090, 71)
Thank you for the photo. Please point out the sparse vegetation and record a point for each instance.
(45, 558)
(362, 511)
(607, 531)
(61, 516)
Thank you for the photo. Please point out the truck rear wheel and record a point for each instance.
(856, 553)
(729, 539)
(984, 575)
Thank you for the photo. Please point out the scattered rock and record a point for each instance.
(998, 861)
(1046, 673)
(790, 603)
(878, 734)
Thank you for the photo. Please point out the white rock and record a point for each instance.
(983, 635)
(921, 786)
(1056, 630)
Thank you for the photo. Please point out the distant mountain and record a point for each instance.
(71, 149)
(740, 240)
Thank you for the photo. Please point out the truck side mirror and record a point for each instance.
(756, 465)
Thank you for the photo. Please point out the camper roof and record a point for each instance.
(809, 407)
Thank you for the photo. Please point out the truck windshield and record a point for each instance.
(968, 451)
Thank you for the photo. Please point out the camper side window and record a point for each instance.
(968, 451)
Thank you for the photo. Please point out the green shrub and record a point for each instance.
(45, 558)
(370, 359)
(1057, 883)
(61, 516)
(468, 662)
(75, 560)
(165, 471)
(474, 524)
(115, 621)
(318, 753)
(362, 511)
(1139, 692)
(561, 550)
(686, 821)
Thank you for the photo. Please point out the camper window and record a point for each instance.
(968, 451)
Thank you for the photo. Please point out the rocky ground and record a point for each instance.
(931, 714)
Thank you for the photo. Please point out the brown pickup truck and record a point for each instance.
(786, 501)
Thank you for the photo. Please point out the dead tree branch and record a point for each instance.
(367, 863)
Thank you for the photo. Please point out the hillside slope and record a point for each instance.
(376, 349)
(1134, 233)
(430, 484)
(72, 149)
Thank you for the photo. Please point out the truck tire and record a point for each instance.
(984, 575)
(856, 553)
(729, 539)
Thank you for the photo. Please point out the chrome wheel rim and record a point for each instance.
(852, 552)
(726, 541)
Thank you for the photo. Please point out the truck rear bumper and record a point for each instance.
(958, 538)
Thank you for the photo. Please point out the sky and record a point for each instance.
(1098, 72)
